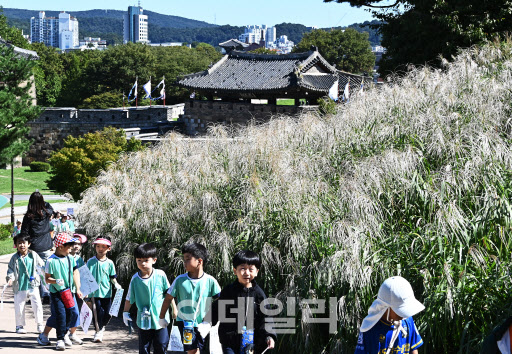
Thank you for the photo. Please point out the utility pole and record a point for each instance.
(12, 191)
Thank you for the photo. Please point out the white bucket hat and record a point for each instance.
(395, 293)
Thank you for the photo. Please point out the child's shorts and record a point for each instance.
(197, 343)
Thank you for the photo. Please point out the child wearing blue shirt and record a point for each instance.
(193, 292)
(147, 290)
(389, 327)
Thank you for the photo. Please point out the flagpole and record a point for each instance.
(150, 93)
(163, 79)
(136, 95)
(123, 101)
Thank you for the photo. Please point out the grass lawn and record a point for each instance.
(25, 181)
(285, 102)
(288, 101)
(6, 246)
(25, 202)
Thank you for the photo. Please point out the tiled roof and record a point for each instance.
(317, 82)
(241, 71)
(355, 81)
(29, 54)
(233, 43)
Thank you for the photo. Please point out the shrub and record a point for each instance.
(413, 179)
(326, 106)
(37, 166)
(76, 166)
(6, 231)
(103, 101)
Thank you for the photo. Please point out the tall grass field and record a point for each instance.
(414, 179)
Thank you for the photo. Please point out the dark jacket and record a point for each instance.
(39, 230)
(490, 344)
(229, 335)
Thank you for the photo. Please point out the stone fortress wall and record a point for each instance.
(200, 114)
(55, 124)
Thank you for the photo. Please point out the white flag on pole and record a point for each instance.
(346, 92)
(333, 91)
(147, 88)
(162, 91)
(85, 317)
(133, 90)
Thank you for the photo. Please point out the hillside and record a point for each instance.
(108, 24)
(413, 179)
(166, 21)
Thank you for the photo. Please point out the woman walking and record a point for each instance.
(36, 223)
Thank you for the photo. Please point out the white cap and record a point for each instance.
(395, 293)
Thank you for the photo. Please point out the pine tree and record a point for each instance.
(16, 107)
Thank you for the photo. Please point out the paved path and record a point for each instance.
(5, 213)
(115, 340)
(18, 197)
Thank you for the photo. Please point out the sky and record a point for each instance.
(222, 12)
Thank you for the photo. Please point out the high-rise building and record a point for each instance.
(45, 30)
(61, 32)
(68, 31)
(271, 35)
(256, 34)
(253, 34)
(135, 25)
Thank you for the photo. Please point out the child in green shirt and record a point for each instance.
(72, 338)
(146, 291)
(193, 292)
(104, 272)
(64, 279)
(22, 275)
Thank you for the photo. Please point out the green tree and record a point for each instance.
(262, 50)
(48, 74)
(349, 50)
(11, 34)
(16, 107)
(103, 101)
(420, 31)
(117, 67)
(75, 85)
(75, 167)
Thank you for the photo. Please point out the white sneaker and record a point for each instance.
(74, 338)
(40, 328)
(20, 330)
(60, 345)
(67, 341)
(98, 336)
(43, 340)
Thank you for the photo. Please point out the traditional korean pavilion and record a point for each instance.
(234, 82)
(260, 76)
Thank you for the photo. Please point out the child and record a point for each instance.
(146, 291)
(64, 279)
(389, 327)
(193, 292)
(17, 229)
(104, 272)
(244, 292)
(22, 275)
(63, 226)
(51, 322)
(75, 250)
